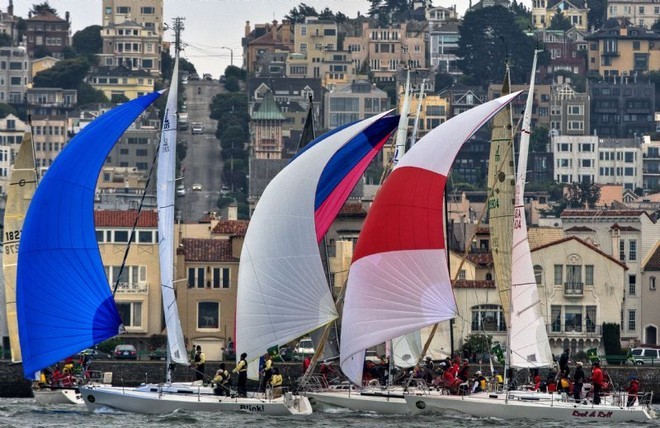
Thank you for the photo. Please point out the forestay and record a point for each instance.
(64, 302)
(399, 281)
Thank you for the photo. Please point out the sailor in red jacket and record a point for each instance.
(633, 390)
(597, 381)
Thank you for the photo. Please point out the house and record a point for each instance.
(47, 34)
(642, 13)
(574, 10)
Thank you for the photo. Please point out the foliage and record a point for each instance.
(230, 109)
(298, 14)
(656, 25)
(539, 140)
(5, 39)
(577, 81)
(596, 13)
(6, 109)
(612, 339)
(560, 22)
(487, 38)
(87, 94)
(443, 80)
(654, 77)
(555, 209)
(327, 15)
(579, 195)
(41, 51)
(108, 346)
(478, 342)
(231, 84)
(237, 72)
(43, 8)
(184, 65)
(88, 40)
(390, 88)
(66, 74)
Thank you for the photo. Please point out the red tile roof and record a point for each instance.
(116, 218)
(231, 227)
(586, 244)
(481, 259)
(207, 250)
(616, 226)
(602, 213)
(580, 229)
(464, 283)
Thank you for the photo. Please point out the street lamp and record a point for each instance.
(231, 54)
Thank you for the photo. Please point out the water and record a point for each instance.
(24, 412)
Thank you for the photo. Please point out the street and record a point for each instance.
(202, 166)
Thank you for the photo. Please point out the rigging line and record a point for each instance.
(137, 218)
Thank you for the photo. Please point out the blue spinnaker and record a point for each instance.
(64, 302)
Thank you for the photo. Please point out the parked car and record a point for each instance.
(180, 190)
(642, 356)
(158, 353)
(196, 187)
(304, 349)
(124, 352)
(229, 353)
(197, 128)
(224, 190)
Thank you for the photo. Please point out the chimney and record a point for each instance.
(67, 16)
(10, 8)
(247, 28)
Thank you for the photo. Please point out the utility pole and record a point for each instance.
(178, 27)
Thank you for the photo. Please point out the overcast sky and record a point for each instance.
(211, 24)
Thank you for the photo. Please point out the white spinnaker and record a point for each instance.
(528, 339)
(390, 294)
(283, 291)
(165, 196)
(407, 349)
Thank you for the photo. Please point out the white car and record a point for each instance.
(196, 187)
(197, 128)
(180, 190)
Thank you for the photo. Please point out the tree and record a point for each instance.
(41, 51)
(584, 194)
(596, 14)
(327, 15)
(486, 39)
(374, 8)
(237, 72)
(611, 338)
(88, 41)
(298, 14)
(6, 109)
(560, 22)
(656, 25)
(443, 80)
(66, 74)
(42, 8)
(87, 94)
(231, 84)
(539, 140)
(5, 39)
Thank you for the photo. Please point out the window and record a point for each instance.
(220, 277)
(589, 274)
(148, 10)
(130, 313)
(487, 318)
(622, 250)
(461, 274)
(538, 274)
(632, 284)
(590, 320)
(632, 250)
(123, 9)
(208, 315)
(573, 319)
(559, 271)
(632, 324)
(145, 237)
(196, 277)
(652, 283)
(556, 318)
(121, 236)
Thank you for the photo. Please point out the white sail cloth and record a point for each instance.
(528, 339)
(165, 197)
(399, 281)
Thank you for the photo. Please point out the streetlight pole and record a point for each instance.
(231, 54)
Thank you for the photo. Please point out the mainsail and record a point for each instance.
(165, 177)
(63, 299)
(22, 184)
(282, 289)
(500, 200)
(528, 339)
(399, 281)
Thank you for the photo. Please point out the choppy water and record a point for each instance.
(24, 412)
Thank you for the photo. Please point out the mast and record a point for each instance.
(413, 137)
(402, 129)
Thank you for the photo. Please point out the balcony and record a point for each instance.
(588, 330)
(611, 53)
(126, 287)
(573, 289)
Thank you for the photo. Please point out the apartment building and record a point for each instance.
(623, 51)
(121, 83)
(574, 10)
(49, 137)
(569, 110)
(14, 74)
(266, 130)
(146, 13)
(51, 101)
(47, 34)
(352, 102)
(265, 42)
(566, 50)
(642, 13)
(540, 107)
(651, 164)
(313, 38)
(132, 46)
(622, 108)
(12, 130)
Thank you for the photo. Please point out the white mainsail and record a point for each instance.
(165, 196)
(399, 280)
(19, 195)
(528, 339)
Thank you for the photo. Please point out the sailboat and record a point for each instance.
(398, 282)
(283, 292)
(527, 338)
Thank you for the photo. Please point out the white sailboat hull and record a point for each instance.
(147, 402)
(378, 402)
(57, 396)
(495, 406)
